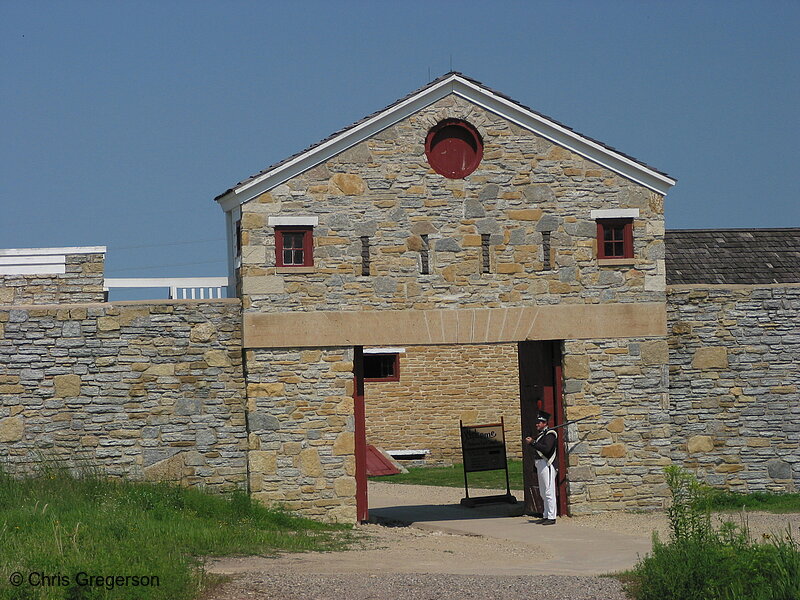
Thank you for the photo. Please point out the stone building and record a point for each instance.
(453, 257)
(456, 221)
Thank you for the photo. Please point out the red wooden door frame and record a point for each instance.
(360, 435)
(541, 387)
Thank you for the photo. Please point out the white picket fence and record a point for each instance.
(180, 288)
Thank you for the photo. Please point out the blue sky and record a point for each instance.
(121, 121)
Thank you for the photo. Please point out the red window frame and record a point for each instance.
(614, 238)
(464, 147)
(306, 246)
(395, 375)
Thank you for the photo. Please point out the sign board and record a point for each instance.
(484, 449)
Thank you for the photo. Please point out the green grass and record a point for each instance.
(454, 477)
(61, 525)
(703, 562)
(773, 502)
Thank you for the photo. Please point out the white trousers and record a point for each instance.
(547, 487)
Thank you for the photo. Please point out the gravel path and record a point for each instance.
(407, 563)
(362, 586)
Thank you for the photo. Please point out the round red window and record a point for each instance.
(454, 148)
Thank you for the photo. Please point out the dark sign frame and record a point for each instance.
(483, 448)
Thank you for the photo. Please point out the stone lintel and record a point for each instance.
(456, 326)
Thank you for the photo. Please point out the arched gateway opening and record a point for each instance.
(528, 373)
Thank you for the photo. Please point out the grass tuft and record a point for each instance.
(453, 476)
(56, 526)
(700, 562)
(774, 502)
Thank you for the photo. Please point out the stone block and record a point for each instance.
(344, 444)
(292, 448)
(217, 358)
(107, 324)
(710, 357)
(261, 421)
(161, 369)
(779, 469)
(67, 386)
(170, 469)
(654, 352)
(341, 514)
(581, 411)
(202, 333)
(345, 487)
(525, 214)
(616, 425)
(576, 367)
(310, 356)
(473, 209)
(349, 184)
(308, 462)
(263, 284)
(581, 474)
(613, 451)
(509, 268)
(264, 462)
(265, 390)
(188, 406)
(12, 429)
(699, 444)
(729, 468)
(758, 442)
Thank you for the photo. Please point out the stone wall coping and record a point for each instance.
(67, 306)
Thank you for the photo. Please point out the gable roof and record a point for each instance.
(733, 256)
(470, 89)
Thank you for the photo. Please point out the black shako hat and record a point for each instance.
(544, 417)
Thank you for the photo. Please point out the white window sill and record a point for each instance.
(288, 270)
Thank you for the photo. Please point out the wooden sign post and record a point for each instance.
(483, 448)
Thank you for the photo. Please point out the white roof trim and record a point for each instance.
(46, 251)
(615, 213)
(278, 221)
(474, 93)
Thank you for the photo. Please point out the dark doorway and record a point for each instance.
(540, 388)
(360, 435)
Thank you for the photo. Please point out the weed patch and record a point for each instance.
(700, 562)
(91, 537)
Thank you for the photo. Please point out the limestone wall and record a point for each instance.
(617, 457)
(139, 390)
(301, 429)
(438, 386)
(82, 280)
(383, 189)
(735, 384)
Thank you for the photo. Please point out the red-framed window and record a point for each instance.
(615, 238)
(454, 148)
(294, 247)
(381, 367)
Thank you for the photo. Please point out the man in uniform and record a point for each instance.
(544, 448)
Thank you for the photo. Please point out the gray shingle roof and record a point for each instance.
(733, 256)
